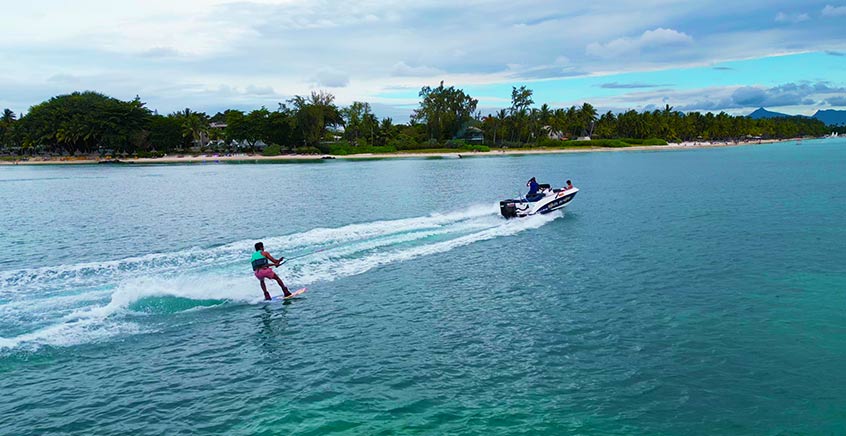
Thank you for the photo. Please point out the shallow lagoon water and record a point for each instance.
(683, 292)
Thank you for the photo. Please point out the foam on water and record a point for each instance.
(58, 278)
(82, 303)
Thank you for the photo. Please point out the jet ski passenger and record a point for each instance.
(569, 186)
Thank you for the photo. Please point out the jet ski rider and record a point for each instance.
(534, 188)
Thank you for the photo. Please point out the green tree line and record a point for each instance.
(90, 122)
(521, 124)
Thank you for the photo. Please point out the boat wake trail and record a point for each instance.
(82, 303)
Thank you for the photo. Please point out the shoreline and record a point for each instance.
(173, 159)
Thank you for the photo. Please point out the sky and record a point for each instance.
(210, 55)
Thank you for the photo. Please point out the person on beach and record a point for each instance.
(261, 261)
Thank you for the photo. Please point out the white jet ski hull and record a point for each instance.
(551, 200)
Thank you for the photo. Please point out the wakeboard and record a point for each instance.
(294, 294)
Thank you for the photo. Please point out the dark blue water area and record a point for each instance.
(682, 292)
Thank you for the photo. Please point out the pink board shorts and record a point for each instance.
(265, 273)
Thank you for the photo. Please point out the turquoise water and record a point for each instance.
(684, 292)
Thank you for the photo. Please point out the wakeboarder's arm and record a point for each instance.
(267, 255)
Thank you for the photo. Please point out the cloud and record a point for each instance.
(750, 96)
(834, 11)
(160, 53)
(636, 85)
(399, 114)
(260, 90)
(331, 78)
(402, 69)
(825, 88)
(782, 17)
(724, 68)
(736, 99)
(656, 38)
(539, 73)
(837, 101)
(64, 79)
(543, 19)
(560, 67)
(787, 94)
(178, 53)
(244, 94)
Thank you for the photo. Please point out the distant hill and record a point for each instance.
(831, 117)
(762, 113)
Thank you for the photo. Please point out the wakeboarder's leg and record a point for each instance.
(264, 289)
(284, 288)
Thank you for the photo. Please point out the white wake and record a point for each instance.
(82, 303)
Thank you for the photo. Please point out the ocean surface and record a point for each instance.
(682, 292)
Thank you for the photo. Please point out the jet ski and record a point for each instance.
(545, 201)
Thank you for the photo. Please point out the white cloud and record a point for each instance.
(782, 17)
(659, 37)
(562, 60)
(260, 90)
(161, 53)
(64, 79)
(834, 11)
(331, 78)
(190, 26)
(402, 69)
(736, 99)
(561, 66)
(179, 53)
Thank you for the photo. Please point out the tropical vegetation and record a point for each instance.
(446, 118)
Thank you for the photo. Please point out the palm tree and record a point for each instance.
(499, 119)
(534, 125)
(314, 114)
(194, 125)
(545, 114)
(588, 113)
(8, 117)
(6, 127)
(571, 120)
